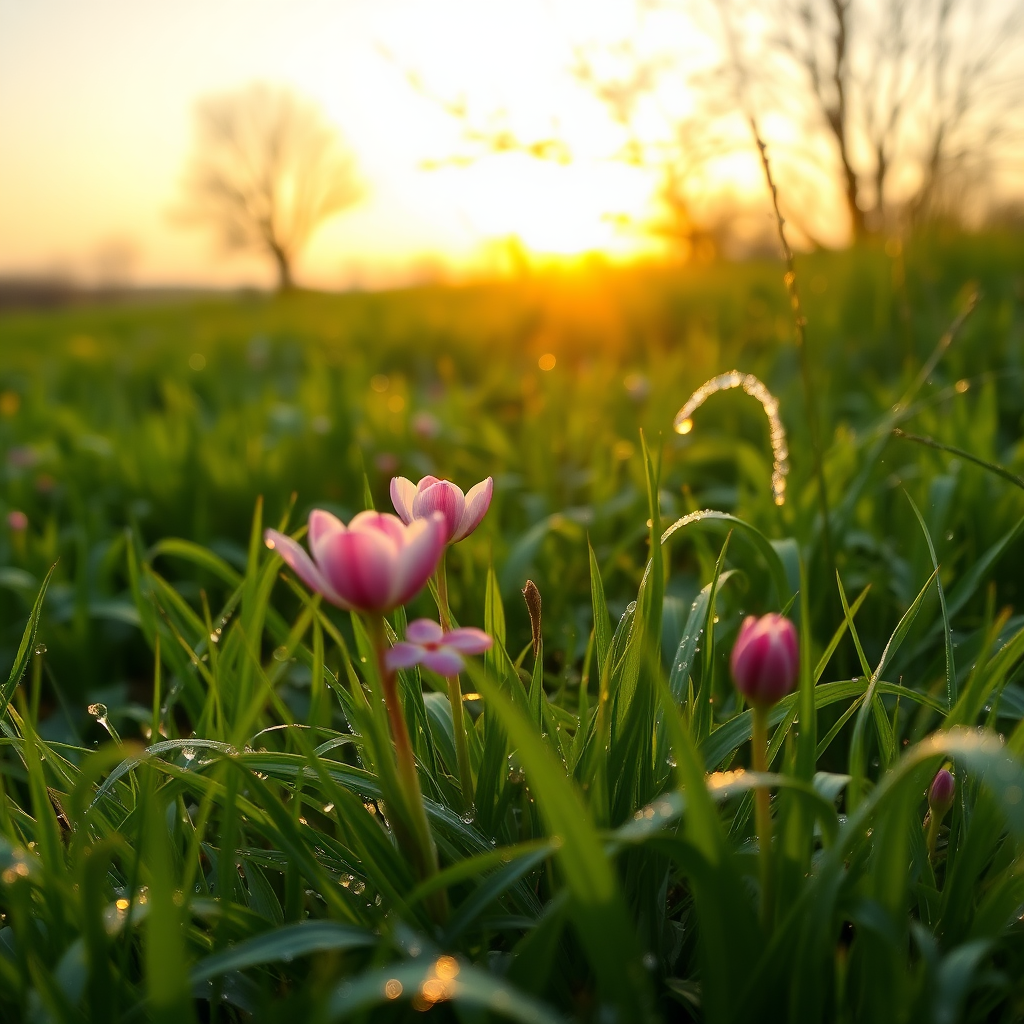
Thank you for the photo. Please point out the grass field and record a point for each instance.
(199, 816)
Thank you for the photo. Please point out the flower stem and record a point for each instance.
(415, 829)
(762, 811)
(455, 696)
(934, 824)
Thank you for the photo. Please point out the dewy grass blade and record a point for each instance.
(599, 911)
(947, 631)
(602, 622)
(436, 981)
(752, 534)
(282, 945)
(28, 639)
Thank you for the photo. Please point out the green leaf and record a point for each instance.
(951, 684)
(759, 540)
(599, 911)
(25, 648)
(282, 945)
(602, 622)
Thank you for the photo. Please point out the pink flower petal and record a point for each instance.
(424, 631)
(321, 526)
(443, 497)
(362, 566)
(404, 655)
(467, 640)
(423, 545)
(444, 661)
(478, 501)
(381, 523)
(425, 482)
(402, 493)
(294, 556)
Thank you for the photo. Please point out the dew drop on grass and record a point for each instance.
(40, 648)
(281, 654)
(359, 887)
(98, 710)
(516, 775)
(469, 816)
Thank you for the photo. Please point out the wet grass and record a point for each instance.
(194, 820)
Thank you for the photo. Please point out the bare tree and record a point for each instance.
(920, 99)
(267, 169)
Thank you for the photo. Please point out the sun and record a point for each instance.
(554, 210)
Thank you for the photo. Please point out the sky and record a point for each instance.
(96, 102)
(97, 99)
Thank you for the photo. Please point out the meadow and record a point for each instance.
(200, 816)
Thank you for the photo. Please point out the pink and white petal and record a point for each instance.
(294, 556)
(321, 526)
(361, 566)
(478, 501)
(468, 640)
(418, 557)
(424, 631)
(402, 493)
(444, 661)
(444, 497)
(404, 655)
(425, 482)
(382, 523)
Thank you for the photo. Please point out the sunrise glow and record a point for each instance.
(97, 123)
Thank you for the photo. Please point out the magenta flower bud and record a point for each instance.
(765, 659)
(374, 564)
(940, 796)
(462, 512)
(427, 644)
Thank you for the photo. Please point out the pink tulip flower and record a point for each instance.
(374, 564)
(765, 659)
(462, 512)
(426, 643)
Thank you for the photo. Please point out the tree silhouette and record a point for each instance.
(266, 170)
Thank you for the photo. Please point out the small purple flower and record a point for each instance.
(765, 659)
(427, 644)
(462, 512)
(940, 796)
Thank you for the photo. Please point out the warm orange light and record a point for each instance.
(546, 361)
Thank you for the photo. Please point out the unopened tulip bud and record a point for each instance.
(765, 659)
(940, 800)
(940, 796)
